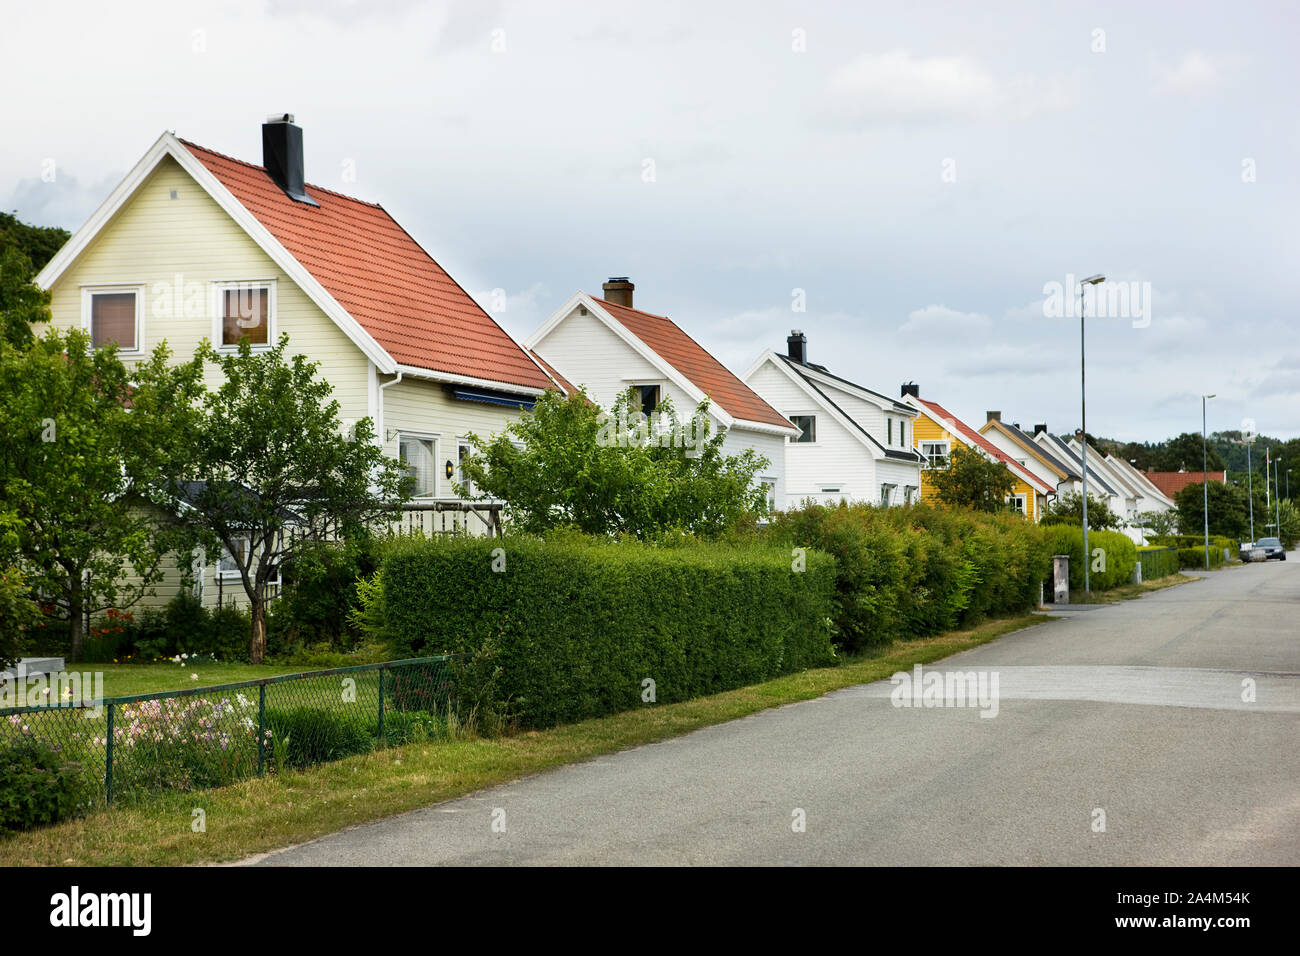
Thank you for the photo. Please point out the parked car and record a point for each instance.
(1272, 548)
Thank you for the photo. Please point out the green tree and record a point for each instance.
(24, 250)
(1099, 514)
(1156, 523)
(1184, 453)
(1290, 530)
(608, 473)
(1228, 514)
(270, 471)
(18, 612)
(973, 481)
(85, 442)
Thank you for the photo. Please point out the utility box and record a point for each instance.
(1061, 578)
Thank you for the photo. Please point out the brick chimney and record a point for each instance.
(619, 290)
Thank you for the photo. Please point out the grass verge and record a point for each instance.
(127, 680)
(274, 812)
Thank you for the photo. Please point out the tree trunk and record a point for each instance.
(76, 613)
(257, 651)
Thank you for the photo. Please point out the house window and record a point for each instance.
(887, 493)
(418, 457)
(1017, 503)
(889, 431)
(935, 454)
(909, 494)
(113, 318)
(245, 310)
(902, 434)
(228, 564)
(463, 452)
(769, 492)
(807, 425)
(648, 395)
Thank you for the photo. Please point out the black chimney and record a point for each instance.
(1040, 428)
(910, 388)
(282, 156)
(619, 290)
(796, 346)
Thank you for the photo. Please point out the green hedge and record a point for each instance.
(569, 628)
(1195, 557)
(1119, 554)
(1198, 541)
(1157, 561)
(919, 570)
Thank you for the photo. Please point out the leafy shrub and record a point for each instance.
(184, 743)
(570, 628)
(37, 788)
(1195, 557)
(411, 726)
(311, 735)
(319, 597)
(919, 570)
(1113, 567)
(184, 626)
(1158, 562)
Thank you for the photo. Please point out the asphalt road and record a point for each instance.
(1134, 711)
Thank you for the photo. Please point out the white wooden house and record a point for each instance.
(608, 346)
(854, 444)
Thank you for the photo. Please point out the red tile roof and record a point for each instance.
(381, 276)
(1172, 482)
(972, 437)
(663, 336)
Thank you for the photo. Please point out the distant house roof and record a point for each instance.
(801, 369)
(1172, 482)
(1057, 464)
(971, 437)
(381, 276)
(1066, 452)
(664, 337)
(564, 384)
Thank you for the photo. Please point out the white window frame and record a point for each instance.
(889, 431)
(926, 463)
(219, 289)
(909, 493)
(887, 490)
(437, 443)
(797, 439)
(88, 292)
(232, 574)
(769, 486)
(464, 442)
(1019, 504)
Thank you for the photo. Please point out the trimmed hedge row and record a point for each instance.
(1157, 561)
(919, 570)
(1198, 541)
(1195, 557)
(1111, 568)
(571, 628)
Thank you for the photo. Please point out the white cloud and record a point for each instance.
(940, 319)
(1196, 73)
(901, 86)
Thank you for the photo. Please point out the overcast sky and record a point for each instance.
(922, 172)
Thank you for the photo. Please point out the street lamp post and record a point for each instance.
(1250, 493)
(1277, 498)
(1205, 481)
(1083, 425)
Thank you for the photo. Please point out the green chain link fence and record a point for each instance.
(123, 747)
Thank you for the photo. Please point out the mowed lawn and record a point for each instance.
(128, 680)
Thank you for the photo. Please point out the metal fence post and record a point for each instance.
(261, 729)
(108, 759)
(382, 668)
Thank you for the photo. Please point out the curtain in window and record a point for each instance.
(112, 319)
